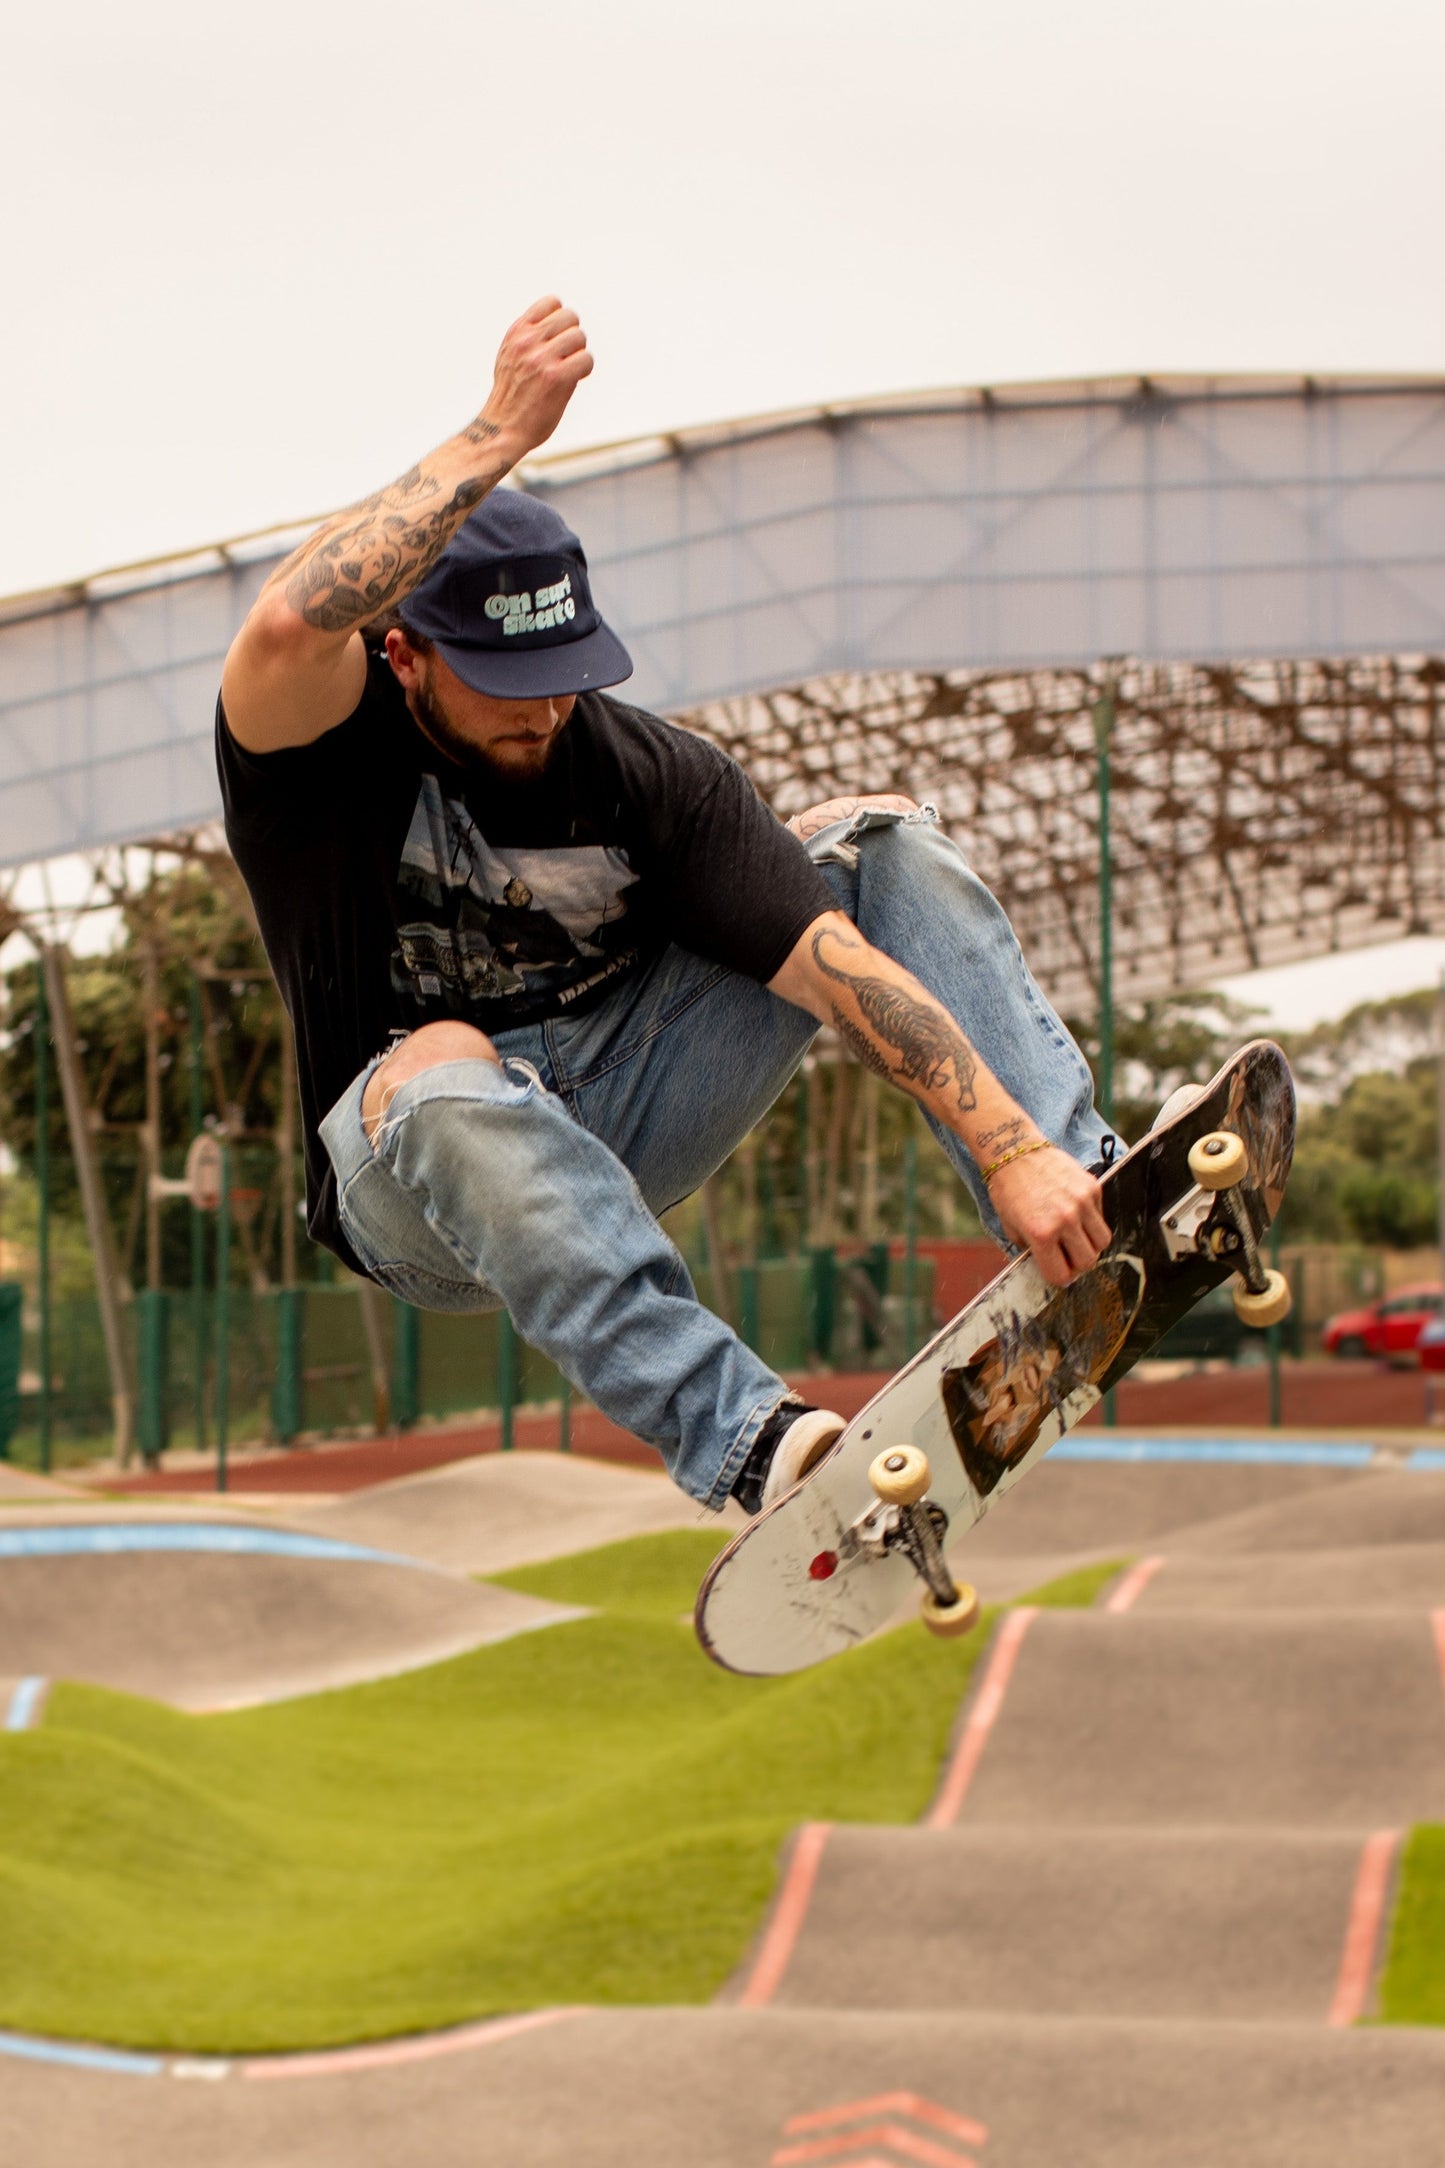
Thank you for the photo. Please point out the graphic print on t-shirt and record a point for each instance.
(483, 922)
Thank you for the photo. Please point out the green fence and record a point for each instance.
(299, 1361)
(10, 1358)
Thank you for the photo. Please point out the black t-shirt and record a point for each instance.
(393, 888)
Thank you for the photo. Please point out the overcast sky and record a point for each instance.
(259, 258)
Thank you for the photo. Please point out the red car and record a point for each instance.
(1390, 1327)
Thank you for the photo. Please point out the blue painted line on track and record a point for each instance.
(91, 1538)
(23, 1704)
(81, 2058)
(1426, 1457)
(1224, 1452)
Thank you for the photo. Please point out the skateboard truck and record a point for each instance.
(902, 1521)
(1213, 1219)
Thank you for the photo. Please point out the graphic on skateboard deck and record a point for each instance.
(1020, 1365)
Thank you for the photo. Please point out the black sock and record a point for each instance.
(753, 1474)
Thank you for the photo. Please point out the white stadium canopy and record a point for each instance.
(1163, 520)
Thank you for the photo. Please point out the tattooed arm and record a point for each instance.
(1047, 1203)
(297, 666)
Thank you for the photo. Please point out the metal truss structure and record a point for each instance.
(1261, 812)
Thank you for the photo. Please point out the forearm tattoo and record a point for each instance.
(926, 1039)
(1005, 1136)
(859, 1043)
(371, 556)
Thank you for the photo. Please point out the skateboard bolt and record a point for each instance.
(894, 1462)
(1214, 1147)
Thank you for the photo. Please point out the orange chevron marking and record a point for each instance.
(909, 2104)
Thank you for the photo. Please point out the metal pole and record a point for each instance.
(1103, 730)
(198, 1228)
(151, 1137)
(42, 1183)
(286, 1149)
(223, 1316)
(92, 1197)
(507, 1376)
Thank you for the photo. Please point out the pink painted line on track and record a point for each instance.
(419, 2049)
(789, 1913)
(981, 1719)
(912, 2105)
(1133, 1585)
(1362, 1935)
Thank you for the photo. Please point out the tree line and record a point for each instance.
(840, 1158)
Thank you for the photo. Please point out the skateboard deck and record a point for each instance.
(1019, 1366)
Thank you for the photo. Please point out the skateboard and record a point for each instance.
(834, 1558)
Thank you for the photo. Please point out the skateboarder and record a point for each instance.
(548, 958)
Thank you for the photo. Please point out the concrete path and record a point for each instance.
(1381, 1577)
(1376, 1506)
(1130, 1923)
(740, 2089)
(207, 1632)
(503, 1510)
(1303, 1721)
(1113, 1508)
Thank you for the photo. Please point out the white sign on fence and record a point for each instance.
(203, 1172)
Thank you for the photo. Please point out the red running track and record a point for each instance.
(1355, 1398)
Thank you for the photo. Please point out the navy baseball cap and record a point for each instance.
(509, 607)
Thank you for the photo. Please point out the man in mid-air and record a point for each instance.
(549, 958)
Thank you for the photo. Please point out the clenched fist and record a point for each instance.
(540, 363)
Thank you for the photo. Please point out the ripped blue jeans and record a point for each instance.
(535, 1185)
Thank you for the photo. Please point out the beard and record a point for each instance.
(517, 757)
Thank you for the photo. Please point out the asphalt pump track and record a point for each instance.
(1141, 1922)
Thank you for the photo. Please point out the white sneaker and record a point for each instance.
(805, 1442)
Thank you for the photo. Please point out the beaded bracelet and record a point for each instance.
(1020, 1151)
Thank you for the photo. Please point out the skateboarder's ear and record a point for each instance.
(403, 647)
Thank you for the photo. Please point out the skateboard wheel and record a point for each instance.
(901, 1476)
(1219, 1160)
(1265, 1309)
(947, 1619)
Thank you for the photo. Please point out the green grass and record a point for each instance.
(642, 1577)
(592, 1813)
(1412, 1987)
